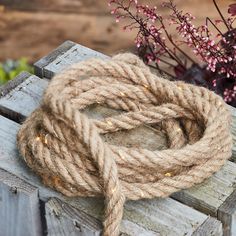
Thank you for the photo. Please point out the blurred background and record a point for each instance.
(32, 28)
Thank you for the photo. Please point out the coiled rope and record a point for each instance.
(65, 147)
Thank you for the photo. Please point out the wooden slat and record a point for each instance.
(146, 217)
(65, 55)
(227, 215)
(6, 88)
(29, 92)
(53, 56)
(212, 228)
(233, 131)
(19, 207)
(63, 220)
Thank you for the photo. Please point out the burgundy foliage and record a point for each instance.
(213, 65)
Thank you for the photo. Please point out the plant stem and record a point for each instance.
(221, 15)
(208, 19)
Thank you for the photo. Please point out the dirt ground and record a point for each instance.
(33, 33)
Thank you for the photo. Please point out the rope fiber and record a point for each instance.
(65, 147)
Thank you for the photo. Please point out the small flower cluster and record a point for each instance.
(157, 47)
(200, 40)
(229, 94)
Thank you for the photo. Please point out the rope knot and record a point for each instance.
(66, 145)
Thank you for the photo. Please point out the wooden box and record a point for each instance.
(27, 207)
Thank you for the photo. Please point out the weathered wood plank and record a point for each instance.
(146, 217)
(29, 92)
(233, 131)
(62, 220)
(6, 88)
(212, 228)
(227, 215)
(66, 54)
(52, 57)
(19, 207)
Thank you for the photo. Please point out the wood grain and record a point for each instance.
(212, 227)
(19, 207)
(11, 84)
(62, 220)
(53, 56)
(29, 92)
(66, 54)
(233, 131)
(227, 215)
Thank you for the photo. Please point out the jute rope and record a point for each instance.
(62, 145)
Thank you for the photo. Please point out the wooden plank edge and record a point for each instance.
(15, 182)
(9, 113)
(233, 131)
(211, 226)
(196, 203)
(24, 191)
(7, 88)
(227, 215)
(11, 84)
(40, 64)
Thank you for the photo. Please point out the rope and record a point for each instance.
(66, 148)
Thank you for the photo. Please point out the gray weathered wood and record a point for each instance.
(227, 215)
(146, 217)
(214, 195)
(233, 131)
(11, 84)
(19, 207)
(66, 54)
(212, 228)
(29, 92)
(53, 56)
(62, 220)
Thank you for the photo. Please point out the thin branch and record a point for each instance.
(208, 19)
(221, 15)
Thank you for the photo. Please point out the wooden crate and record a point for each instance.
(81, 216)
